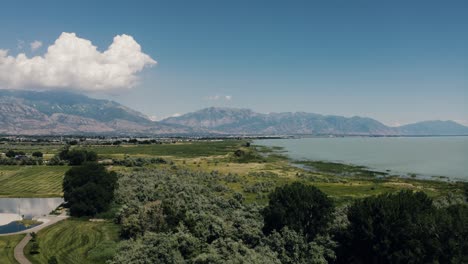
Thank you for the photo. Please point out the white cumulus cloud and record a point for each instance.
(219, 97)
(35, 45)
(75, 63)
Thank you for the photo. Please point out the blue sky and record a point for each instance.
(396, 61)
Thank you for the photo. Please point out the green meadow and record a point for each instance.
(184, 150)
(31, 181)
(7, 246)
(76, 241)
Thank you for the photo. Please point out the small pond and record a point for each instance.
(12, 209)
(15, 227)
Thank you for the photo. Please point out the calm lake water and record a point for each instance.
(426, 156)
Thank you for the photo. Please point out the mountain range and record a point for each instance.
(59, 113)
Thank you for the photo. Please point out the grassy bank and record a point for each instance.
(75, 241)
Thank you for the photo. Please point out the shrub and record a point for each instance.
(37, 154)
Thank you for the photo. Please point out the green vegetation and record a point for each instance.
(75, 241)
(11, 153)
(37, 154)
(340, 169)
(184, 150)
(7, 246)
(405, 228)
(304, 209)
(47, 148)
(180, 216)
(209, 201)
(88, 189)
(29, 222)
(31, 181)
(76, 157)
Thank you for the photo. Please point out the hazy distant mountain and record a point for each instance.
(56, 112)
(434, 128)
(245, 121)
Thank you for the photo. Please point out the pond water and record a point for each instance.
(12, 209)
(14, 227)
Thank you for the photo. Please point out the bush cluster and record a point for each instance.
(178, 217)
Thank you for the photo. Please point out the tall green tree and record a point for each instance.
(89, 189)
(392, 228)
(300, 207)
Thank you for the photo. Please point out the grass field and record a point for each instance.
(7, 246)
(31, 181)
(76, 241)
(185, 150)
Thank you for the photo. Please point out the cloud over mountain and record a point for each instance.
(75, 63)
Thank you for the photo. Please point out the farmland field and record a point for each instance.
(75, 241)
(186, 150)
(31, 181)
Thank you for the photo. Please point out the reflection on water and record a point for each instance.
(14, 227)
(29, 207)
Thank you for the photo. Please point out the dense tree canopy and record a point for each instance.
(12, 153)
(89, 189)
(179, 216)
(76, 157)
(300, 207)
(404, 228)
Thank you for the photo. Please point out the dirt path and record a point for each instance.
(19, 250)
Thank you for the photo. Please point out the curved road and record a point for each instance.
(19, 249)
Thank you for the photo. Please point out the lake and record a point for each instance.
(425, 156)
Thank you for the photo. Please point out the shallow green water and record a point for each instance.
(429, 156)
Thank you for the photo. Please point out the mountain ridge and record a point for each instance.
(246, 121)
(61, 112)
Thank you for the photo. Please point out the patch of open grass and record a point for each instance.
(185, 150)
(31, 181)
(76, 241)
(7, 247)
